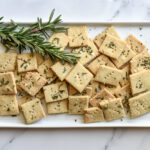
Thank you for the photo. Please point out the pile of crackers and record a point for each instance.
(110, 79)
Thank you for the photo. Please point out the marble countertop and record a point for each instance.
(74, 139)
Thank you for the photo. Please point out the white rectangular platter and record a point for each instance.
(141, 31)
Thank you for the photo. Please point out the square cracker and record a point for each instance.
(112, 47)
(139, 105)
(55, 92)
(140, 81)
(112, 109)
(136, 45)
(126, 55)
(100, 60)
(59, 40)
(108, 75)
(8, 105)
(57, 107)
(124, 93)
(100, 37)
(77, 104)
(32, 83)
(102, 95)
(79, 77)
(61, 70)
(86, 91)
(140, 62)
(33, 111)
(24, 99)
(125, 75)
(7, 62)
(95, 87)
(45, 70)
(111, 88)
(87, 53)
(78, 36)
(93, 114)
(26, 62)
(7, 84)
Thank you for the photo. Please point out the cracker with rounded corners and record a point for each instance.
(32, 83)
(26, 62)
(55, 92)
(7, 84)
(77, 104)
(59, 40)
(79, 77)
(32, 111)
(57, 107)
(78, 36)
(61, 70)
(8, 105)
(8, 62)
(108, 75)
(112, 47)
(93, 114)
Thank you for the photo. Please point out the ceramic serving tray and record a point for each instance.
(142, 31)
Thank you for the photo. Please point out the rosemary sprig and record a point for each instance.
(33, 38)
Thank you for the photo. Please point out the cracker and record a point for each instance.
(24, 99)
(45, 70)
(59, 40)
(78, 36)
(125, 76)
(95, 87)
(32, 83)
(8, 105)
(111, 88)
(39, 58)
(61, 70)
(112, 109)
(139, 105)
(33, 111)
(79, 77)
(7, 84)
(18, 78)
(57, 107)
(7, 62)
(112, 47)
(26, 62)
(87, 53)
(140, 81)
(124, 93)
(100, 60)
(126, 55)
(102, 95)
(86, 91)
(77, 104)
(136, 45)
(93, 114)
(100, 37)
(140, 62)
(55, 92)
(108, 75)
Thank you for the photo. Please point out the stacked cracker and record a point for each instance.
(110, 76)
